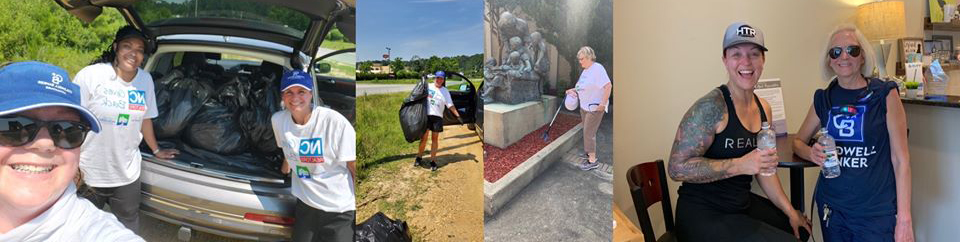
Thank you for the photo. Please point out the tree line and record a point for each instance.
(469, 65)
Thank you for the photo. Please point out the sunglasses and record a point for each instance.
(852, 50)
(19, 130)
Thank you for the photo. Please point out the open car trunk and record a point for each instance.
(217, 113)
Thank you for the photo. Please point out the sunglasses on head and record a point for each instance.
(19, 130)
(852, 50)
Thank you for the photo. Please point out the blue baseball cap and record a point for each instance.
(440, 74)
(296, 78)
(30, 85)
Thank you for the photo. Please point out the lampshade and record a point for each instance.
(882, 20)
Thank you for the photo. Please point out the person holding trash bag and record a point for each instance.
(714, 154)
(42, 127)
(122, 97)
(870, 200)
(593, 91)
(319, 145)
(438, 98)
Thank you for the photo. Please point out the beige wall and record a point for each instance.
(672, 50)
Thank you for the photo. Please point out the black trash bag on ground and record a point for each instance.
(413, 113)
(255, 121)
(215, 128)
(380, 228)
(179, 98)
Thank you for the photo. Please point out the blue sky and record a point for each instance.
(419, 27)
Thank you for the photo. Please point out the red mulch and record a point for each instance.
(498, 162)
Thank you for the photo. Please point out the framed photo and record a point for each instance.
(911, 50)
(946, 45)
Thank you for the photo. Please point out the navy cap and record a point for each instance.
(129, 32)
(30, 85)
(296, 78)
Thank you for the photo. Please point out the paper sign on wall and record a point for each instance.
(769, 89)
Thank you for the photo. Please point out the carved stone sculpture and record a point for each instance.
(523, 66)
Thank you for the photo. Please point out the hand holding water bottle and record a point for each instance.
(830, 162)
(767, 140)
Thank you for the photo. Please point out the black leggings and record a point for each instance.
(761, 221)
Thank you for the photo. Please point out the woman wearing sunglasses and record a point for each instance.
(42, 126)
(870, 200)
(715, 156)
(121, 96)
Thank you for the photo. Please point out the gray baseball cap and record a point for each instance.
(741, 32)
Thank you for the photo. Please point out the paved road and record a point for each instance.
(364, 89)
(563, 203)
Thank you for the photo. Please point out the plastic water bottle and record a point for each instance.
(767, 139)
(831, 165)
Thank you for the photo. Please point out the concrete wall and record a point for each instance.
(668, 54)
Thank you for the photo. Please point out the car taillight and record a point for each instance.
(273, 219)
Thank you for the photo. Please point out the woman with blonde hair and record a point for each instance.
(870, 200)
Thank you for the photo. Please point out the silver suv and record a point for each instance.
(242, 194)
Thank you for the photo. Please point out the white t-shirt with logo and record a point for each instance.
(111, 158)
(590, 87)
(318, 152)
(71, 219)
(438, 99)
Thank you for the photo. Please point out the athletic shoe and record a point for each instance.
(586, 165)
(433, 166)
(418, 161)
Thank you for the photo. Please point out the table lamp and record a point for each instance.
(881, 21)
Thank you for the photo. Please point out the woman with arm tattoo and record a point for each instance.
(715, 156)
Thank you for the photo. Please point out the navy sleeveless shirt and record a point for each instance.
(731, 194)
(866, 185)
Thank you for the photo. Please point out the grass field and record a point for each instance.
(337, 45)
(475, 80)
(380, 138)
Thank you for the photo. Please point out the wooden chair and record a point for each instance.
(648, 185)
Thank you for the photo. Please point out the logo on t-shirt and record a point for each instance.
(137, 100)
(123, 119)
(847, 128)
(303, 172)
(311, 150)
(430, 95)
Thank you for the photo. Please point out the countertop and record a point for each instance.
(949, 101)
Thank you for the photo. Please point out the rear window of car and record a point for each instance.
(157, 10)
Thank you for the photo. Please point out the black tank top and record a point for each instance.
(731, 194)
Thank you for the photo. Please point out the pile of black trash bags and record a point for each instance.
(223, 121)
(380, 228)
(413, 112)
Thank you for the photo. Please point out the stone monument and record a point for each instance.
(517, 77)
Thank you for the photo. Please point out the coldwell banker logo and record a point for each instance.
(137, 100)
(311, 150)
(746, 31)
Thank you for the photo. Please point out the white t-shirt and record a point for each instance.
(437, 102)
(318, 152)
(71, 219)
(590, 87)
(111, 158)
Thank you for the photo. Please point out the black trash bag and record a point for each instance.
(261, 165)
(413, 113)
(380, 228)
(179, 98)
(255, 121)
(235, 93)
(215, 128)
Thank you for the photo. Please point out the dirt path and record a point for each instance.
(446, 205)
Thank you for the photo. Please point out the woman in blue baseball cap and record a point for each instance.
(319, 147)
(438, 99)
(716, 157)
(42, 126)
(121, 95)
